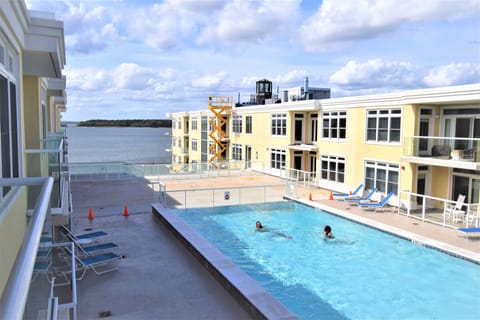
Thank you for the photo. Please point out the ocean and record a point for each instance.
(130, 145)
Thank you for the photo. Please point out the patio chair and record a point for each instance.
(455, 212)
(85, 250)
(360, 186)
(473, 216)
(469, 232)
(42, 267)
(376, 205)
(363, 198)
(83, 236)
(98, 263)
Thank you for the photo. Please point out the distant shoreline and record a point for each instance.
(138, 123)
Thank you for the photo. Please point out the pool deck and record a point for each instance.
(159, 279)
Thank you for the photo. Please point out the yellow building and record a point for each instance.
(32, 98)
(418, 144)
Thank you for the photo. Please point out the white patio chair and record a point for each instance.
(455, 212)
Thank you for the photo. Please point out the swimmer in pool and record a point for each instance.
(327, 233)
(260, 228)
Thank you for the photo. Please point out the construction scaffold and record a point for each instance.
(218, 106)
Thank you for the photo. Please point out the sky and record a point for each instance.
(142, 59)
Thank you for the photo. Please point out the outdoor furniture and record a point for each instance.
(455, 212)
(90, 249)
(469, 232)
(360, 186)
(473, 216)
(441, 151)
(358, 199)
(376, 205)
(98, 263)
(83, 236)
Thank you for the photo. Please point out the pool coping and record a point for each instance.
(410, 236)
(259, 303)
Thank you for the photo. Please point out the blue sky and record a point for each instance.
(131, 59)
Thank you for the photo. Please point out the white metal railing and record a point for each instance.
(118, 170)
(212, 197)
(305, 178)
(438, 210)
(14, 297)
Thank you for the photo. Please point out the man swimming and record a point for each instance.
(327, 233)
(260, 228)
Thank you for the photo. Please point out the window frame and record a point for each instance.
(334, 129)
(237, 151)
(237, 123)
(379, 122)
(338, 162)
(248, 124)
(278, 158)
(391, 170)
(278, 124)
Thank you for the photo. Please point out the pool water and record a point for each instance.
(362, 273)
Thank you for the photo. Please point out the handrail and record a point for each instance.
(14, 298)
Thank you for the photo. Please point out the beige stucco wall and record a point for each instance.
(13, 225)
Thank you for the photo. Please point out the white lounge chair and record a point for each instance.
(455, 212)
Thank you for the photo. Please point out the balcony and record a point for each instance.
(463, 153)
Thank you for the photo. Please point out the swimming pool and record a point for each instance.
(361, 274)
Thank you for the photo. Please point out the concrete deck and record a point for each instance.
(159, 279)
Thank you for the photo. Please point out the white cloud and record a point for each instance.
(87, 79)
(376, 73)
(453, 74)
(250, 21)
(349, 20)
(209, 81)
(133, 77)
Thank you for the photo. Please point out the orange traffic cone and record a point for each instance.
(350, 192)
(331, 196)
(310, 197)
(90, 215)
(125, 211)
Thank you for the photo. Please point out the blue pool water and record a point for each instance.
(361, 274)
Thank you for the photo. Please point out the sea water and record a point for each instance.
(131, 145)
(362, 273)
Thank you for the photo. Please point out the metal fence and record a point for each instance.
(438, 210)
(213, 197)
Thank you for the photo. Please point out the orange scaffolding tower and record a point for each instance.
(218, 106)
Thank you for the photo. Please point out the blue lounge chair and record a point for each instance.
(358, 199)
(84, 236)
(360, 186)
(376, 205)
(84, 250)
(469, 232)
(96, 263)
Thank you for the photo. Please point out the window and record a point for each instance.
(313, 127)
(334, 125)
(383, 176)
(173, 123)
(333, 168)
(179, 124)
(194, 144)
(248, 124)
(174, 140)
(279, 124)
(179, 142)
(384, 125)
(236, 151)
(194, 124)
(237, 124)
(278, 158)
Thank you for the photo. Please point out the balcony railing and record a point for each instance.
(438, 210)
(442, 148)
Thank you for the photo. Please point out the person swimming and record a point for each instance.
(260, 228)
(327, 232)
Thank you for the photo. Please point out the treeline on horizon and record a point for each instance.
(150, 123)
